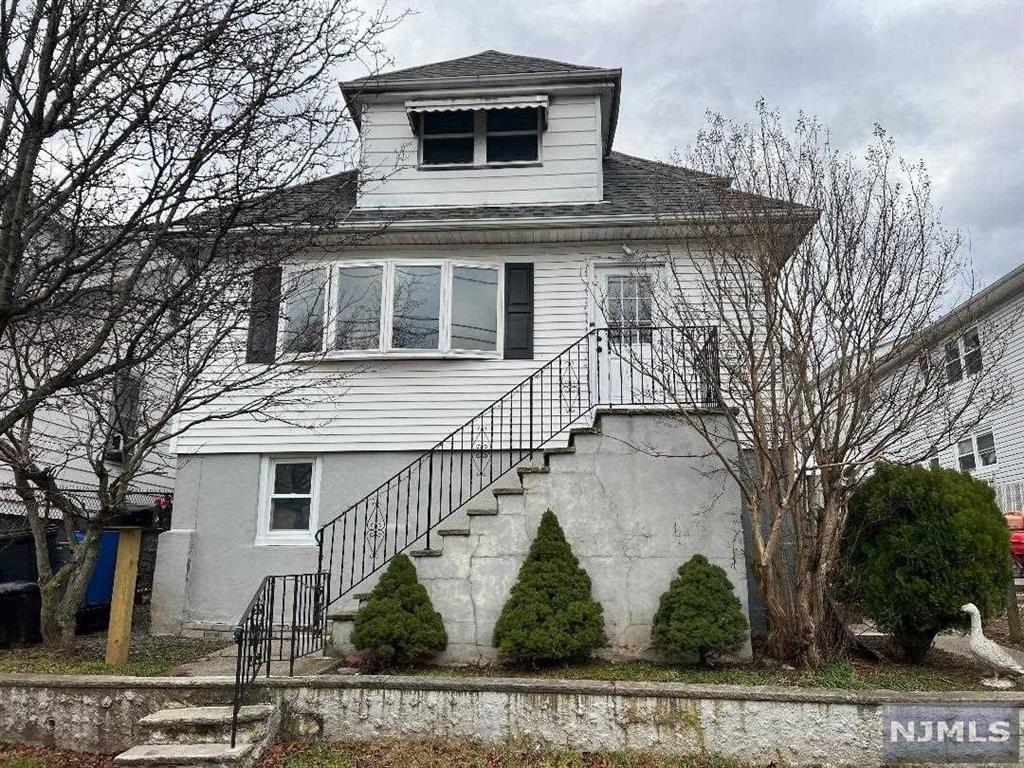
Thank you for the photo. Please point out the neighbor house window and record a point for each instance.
(513, 135)
(447, 138)
(629, 308)
(123, 421)
(977, 451)
(963, 356)
(289, 506)
(304, 303)
(480, 137)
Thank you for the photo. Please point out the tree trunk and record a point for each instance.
(61, 595)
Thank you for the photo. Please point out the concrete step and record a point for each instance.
(453, 531)
(425, 553)
(207, 755)
(205, 725)
(509, 491)
(482, 511)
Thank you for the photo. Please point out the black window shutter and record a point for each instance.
(519, 311)
(264, 310)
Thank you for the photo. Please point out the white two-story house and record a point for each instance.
(989, 342)
(478, 384)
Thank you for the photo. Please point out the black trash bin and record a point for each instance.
(19, 605)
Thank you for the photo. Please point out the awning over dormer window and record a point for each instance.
(419, 106)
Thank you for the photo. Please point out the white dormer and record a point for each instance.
(489, 129)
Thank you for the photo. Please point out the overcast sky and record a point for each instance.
(945, 78)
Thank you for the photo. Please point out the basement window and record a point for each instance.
(289, 501)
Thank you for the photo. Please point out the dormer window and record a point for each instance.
(478, 132)
(447, 138)
(513, 135)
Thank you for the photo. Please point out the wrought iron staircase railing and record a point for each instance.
(638, 366)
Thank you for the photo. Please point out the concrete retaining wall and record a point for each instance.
(752, 724)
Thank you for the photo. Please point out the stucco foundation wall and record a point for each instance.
(636, 500)
(208, 565)
(789, 726)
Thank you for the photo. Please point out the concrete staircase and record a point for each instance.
(201, 736)
(491, 525)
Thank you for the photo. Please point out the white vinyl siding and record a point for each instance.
(569, 171)
(1003, 325)
(409, 404)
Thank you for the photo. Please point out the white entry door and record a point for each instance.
(623, 367)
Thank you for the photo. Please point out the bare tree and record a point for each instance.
(153, 160)
(825, 274)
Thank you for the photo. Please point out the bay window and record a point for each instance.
(474, 322)
(416, 306)
(357, 308)
(398, 308)
(304, 310)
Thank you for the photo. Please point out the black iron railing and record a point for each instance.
(284, 621)
(629, 366)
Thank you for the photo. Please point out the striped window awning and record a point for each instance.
(418, 106)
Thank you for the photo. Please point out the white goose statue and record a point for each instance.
(989, 653)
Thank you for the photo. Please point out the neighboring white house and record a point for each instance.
(994, 336)
(495, 208)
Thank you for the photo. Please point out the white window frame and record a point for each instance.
(480, 144)
(264, 535)
(979, 466)
(282, 327)
(385, 349)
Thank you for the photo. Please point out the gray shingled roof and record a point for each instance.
(477, 65)
(632, 186)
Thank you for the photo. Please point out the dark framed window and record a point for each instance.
(963, 356)
(513, 135)
(447, 138)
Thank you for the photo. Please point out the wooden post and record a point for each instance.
(123, 599)
(1013, 613)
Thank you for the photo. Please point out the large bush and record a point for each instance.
(920, 543)
(550, 615)
(699, 613)
(398, 624)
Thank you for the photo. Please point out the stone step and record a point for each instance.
(205, 725)
(453, 531)
(482, 511)
(207, 755)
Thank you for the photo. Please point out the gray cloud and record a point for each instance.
(946, 79)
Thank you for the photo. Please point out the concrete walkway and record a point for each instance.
(222, 663)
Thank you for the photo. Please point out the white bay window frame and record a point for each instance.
(385, 348)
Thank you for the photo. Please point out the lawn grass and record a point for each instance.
(148, 656)
(940, 672)
(451, 753)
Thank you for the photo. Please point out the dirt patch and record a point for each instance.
(43, 757)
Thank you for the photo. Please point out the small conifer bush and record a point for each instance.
(550, 616)
(699, 614)
(398, 624)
